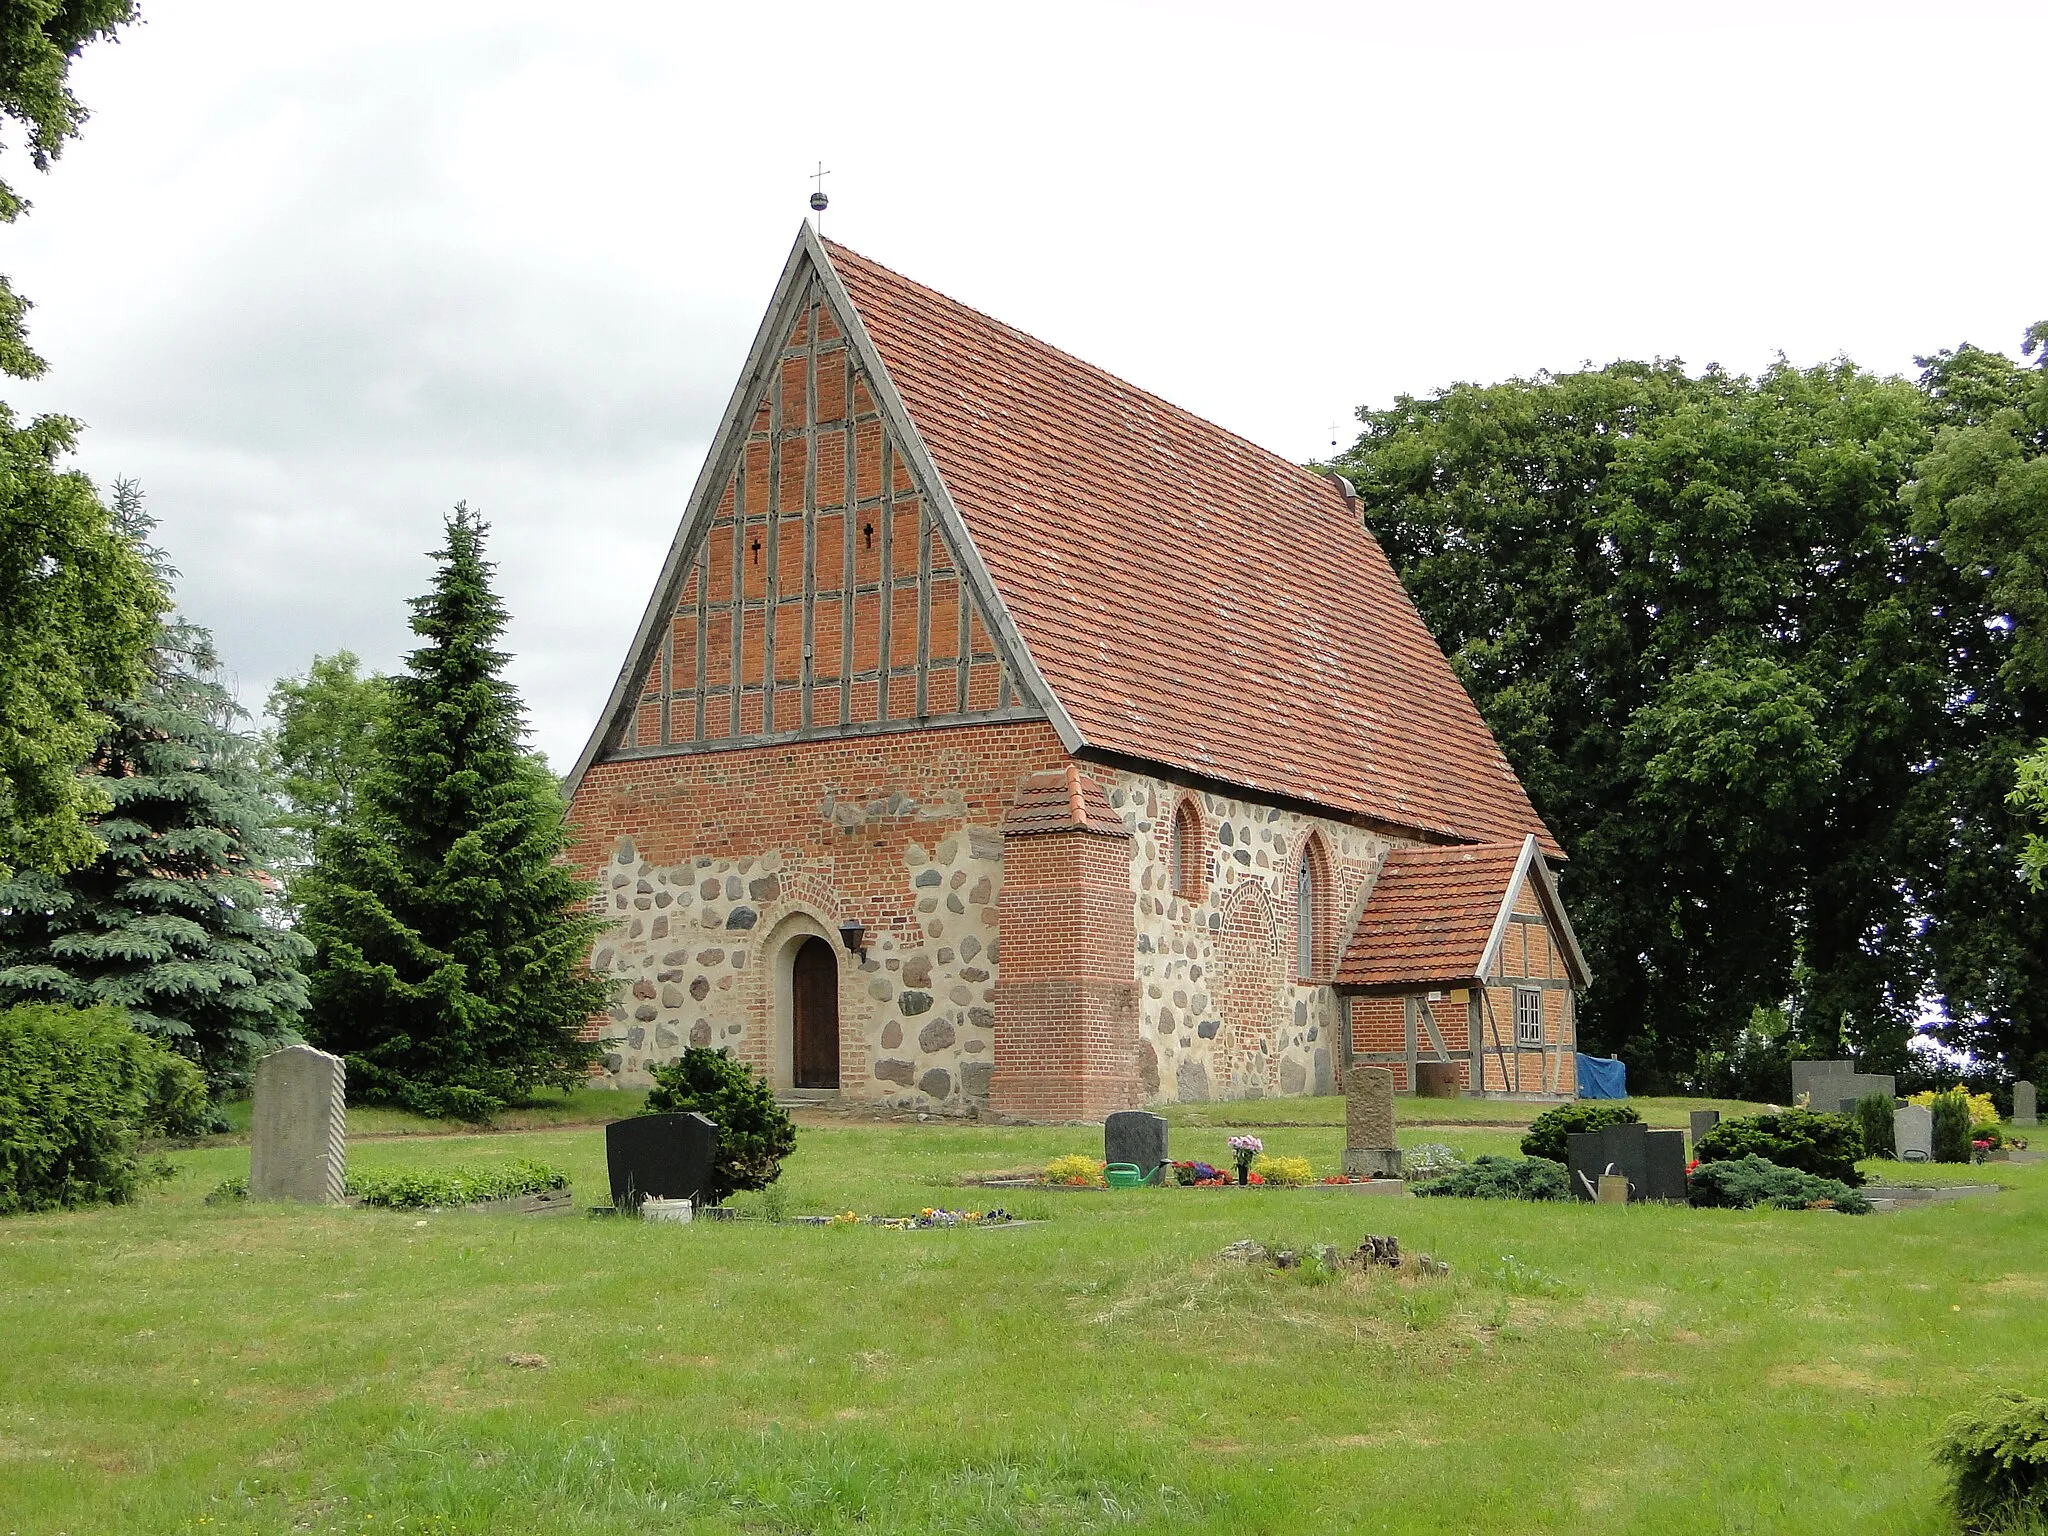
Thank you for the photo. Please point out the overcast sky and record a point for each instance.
(314, 274)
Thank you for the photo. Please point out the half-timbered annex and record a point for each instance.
(1000, 736)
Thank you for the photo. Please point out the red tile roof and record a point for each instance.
(1192, 599)
(1429, 917)
(1062, 800)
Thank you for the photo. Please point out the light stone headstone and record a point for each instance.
(1913, 1133)
(2023, 1111)
(298, 1139)
(1137, 1137)
(1369, 1147)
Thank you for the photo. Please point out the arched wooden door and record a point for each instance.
(814, 1015)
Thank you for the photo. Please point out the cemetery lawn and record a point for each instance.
(173, 1367)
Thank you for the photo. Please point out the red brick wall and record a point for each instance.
(1066, 1004)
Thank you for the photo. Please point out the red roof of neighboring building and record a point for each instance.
(1191, 599)
(1430, 917)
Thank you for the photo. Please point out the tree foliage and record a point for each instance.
(1767, 718)
(78, 610)
(451, 968)
(175, 921)
(324, 742)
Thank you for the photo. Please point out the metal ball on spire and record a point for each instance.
(819, 201)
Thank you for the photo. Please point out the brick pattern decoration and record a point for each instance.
(822, 595)
(1066, 1007)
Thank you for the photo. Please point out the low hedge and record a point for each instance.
(1824, 1145)
(1502, 1178)
(1547, 1132)
(80, 1090)
(443, 1188)
(1743, 1182)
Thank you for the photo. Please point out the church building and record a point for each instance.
(1001, 738)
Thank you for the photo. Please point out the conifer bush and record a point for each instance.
(1952, 1133)
(1502, 1178)
(1824, 1145)
(1747, 1181)
(451, 967)
(1877, 1126)
(754, 1132)
(1547, 1132)
(79, 1092)
(1997, 1459)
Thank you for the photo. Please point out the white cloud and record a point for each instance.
(312, 277)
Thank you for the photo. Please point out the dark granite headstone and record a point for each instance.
(1703, 1121)
(1622, 1149)
(1135, 1137)
(1666, 1167)
(667, 1156)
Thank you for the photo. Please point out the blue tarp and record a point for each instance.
(1602, 1078)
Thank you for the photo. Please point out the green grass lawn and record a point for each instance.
(171, 1367)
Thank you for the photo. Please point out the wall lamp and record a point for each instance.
(851, 934)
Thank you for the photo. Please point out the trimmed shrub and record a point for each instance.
(1824, 1145)
(1951, 1126)
(1283, 1172)
(1875, 1125)
(1998, 1460)
(1742, 1182)
(413, 1189)
(1549, 1129)
(754, 1132)
(1502, 1178)
(79, 1090)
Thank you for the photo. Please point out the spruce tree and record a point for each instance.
(177, 921)
(451, 938)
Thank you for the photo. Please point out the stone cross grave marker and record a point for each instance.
(1622, 1149)
(1913, 1133)
(298, 1140)
(2023, 1112)
(1369, 1147)
(1703, 1121)
(668, 1156)
(1136, 1137)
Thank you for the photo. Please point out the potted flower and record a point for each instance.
(1244, 1149)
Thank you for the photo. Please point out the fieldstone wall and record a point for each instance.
(1222, 1013)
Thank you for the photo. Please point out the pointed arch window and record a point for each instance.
(1187, 856)
(1311, 908)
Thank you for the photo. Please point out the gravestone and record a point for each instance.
(2023, 1112)
(665, 1155)
(1703, 1121)
(1369, 1149)
(1622, 1149)
(1913, 1133)
(298, 1140)
(1835, 1086)
(1133, 1136)
(1436, 1080)
(1665, 1167)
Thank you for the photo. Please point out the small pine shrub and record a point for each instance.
(79, 1091)
(1547, 1132)
(1286, 1172)
(1824, 1145)
(1998, 1460)
(1076, 1170)
(415, 1189)
(1876, 1126)
(1740, 1183)
(1951, 1126)
(754, 1132)
(1502, 1178)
